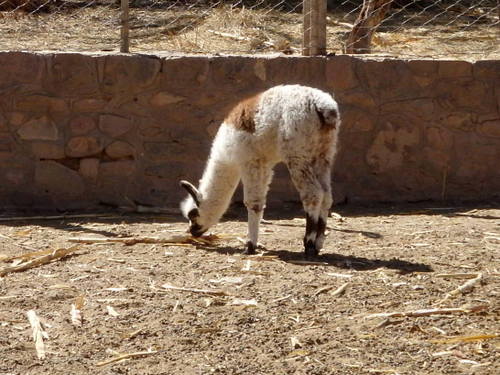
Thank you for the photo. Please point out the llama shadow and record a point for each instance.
(329, 260)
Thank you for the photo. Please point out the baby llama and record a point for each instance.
(293, 124)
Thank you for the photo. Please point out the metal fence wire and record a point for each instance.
(406, 28)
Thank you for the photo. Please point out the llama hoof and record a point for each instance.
(310, 250)
(249, 249)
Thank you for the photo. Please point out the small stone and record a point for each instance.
(78, 147)
(89, 168)
(82, 125)
(119, 150)
(114, 126)
(41, 128)
(164, 98)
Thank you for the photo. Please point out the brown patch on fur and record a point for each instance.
(242, 116)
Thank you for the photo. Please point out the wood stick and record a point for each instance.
(175, 240)
(464, 288)
(56, 254)
(122, 357)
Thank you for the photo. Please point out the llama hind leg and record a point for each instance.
(311, 195)
(325, 179)
(256, 179)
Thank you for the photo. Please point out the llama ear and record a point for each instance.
(193, 192)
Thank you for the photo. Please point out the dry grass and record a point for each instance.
(230, 30)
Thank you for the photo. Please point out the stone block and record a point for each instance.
(47, 150)
(119, 150)
(71, 73)
(89, 168)
(391, 148)
(82, 146)
(20, 67)
(41, 103)
(149, 129)
(114, 126)
(340, 73)
(490, 128)
(454, 69)
(82, 125)
(487, 70)
(123, 75)
(39, 128)
(89, 105)
(58, 181)
(122, 168)
(357, 120)
(439, 138)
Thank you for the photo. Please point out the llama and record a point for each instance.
(294, 124)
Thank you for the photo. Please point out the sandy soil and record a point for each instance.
(265, 314)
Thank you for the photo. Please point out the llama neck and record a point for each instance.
(217, 187)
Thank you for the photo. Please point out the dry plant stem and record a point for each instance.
(474, 338)
(37, 333)
(213, 292)
(125, 356)
(57, 254)
(428, 312)
(175, 240)
(340, 290)
(464, 288)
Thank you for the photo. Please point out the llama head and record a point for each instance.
(190, 208)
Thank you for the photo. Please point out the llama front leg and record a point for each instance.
(256, 179)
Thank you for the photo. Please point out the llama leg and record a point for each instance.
(325, 179)
(256, 178)
(311, 195)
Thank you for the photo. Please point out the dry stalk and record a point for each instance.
(472, 338)
(53, 255)
(340, 290)
(464, 288)
(175, 240)
(213, 292)
(38, 333)
(123, 357)
(428, 312)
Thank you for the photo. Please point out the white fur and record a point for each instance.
(288, 129)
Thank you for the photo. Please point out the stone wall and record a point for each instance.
(79, 131)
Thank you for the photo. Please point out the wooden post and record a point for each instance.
(124, 18)
(314, 37)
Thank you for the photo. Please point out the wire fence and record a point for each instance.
(441, 28)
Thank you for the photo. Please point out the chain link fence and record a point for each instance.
(405, 28)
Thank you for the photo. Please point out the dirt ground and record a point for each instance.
(272, 313)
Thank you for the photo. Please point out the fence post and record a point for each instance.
(124, 18)
(314, 27)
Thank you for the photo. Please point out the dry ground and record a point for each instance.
(470, 34)
(266, 314)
